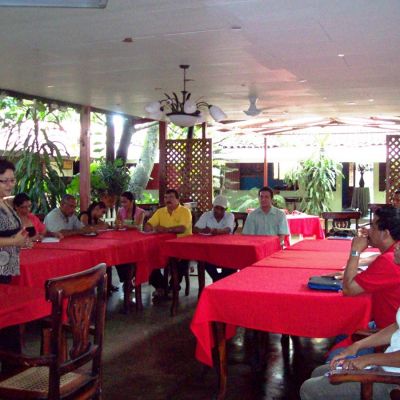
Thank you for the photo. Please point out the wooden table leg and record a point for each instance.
(127, 288)
(173, 264)
(138, 297)
(219, 335)
(201, 271)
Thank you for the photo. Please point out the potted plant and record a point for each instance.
(316, 179)
(105, 176)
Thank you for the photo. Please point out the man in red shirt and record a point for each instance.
(382, 278)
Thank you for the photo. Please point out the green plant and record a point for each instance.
(38, 159)
(279, 201)
(112, 177)
(316, 179)
(148, 198)
(243, 202)
(96, 183)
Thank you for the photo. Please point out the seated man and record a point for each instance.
(64, 220)
(319, 387)
(173, 218)
(267, 219)
(382, 277)
(216, 222)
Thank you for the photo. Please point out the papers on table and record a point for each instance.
(50, 240)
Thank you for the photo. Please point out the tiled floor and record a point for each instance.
(150, 356)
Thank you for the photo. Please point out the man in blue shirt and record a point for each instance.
(267, 219)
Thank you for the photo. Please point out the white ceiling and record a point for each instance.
(235, 48)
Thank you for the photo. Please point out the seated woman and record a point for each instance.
(22, 205)
(94, 214)
(129, 215)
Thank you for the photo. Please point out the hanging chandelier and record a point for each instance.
(185, 112)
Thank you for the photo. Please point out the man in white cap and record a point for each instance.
(216, 222)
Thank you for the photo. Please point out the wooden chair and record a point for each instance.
(239, 217)
(367, 378)
(80, 300)
(341, 220)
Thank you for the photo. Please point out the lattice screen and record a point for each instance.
(189, 170)
(392, 165)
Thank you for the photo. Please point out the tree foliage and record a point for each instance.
(38, 159)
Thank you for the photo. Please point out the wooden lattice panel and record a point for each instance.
(189, 170)
(392, 165)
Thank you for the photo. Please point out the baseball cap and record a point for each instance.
(220, 201)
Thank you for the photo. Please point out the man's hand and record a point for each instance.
(336, 275)
(160, 229)
(338, 360)
(88, 229)
(353, 363)
(359, 243)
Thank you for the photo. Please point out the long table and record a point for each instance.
(272, 300)
(328, 260)
(228, 251)
(39, 264)
(21, 304)
(336, 245)
(76, 253)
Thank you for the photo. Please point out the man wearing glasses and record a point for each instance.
(64, 220)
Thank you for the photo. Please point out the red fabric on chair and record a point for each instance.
(230, 251)
(275, 300)
(21, 304)
(306, 225)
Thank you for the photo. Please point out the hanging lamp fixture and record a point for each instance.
(183, 112)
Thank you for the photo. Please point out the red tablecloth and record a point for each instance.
(144, 250)
(306, 225)
(275, 300)
(232, 251)
(305, 259)
(39, 264)
(108, 251)
(328, 245)
(323, 245)
(21, 304)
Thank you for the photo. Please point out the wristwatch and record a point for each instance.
(355, 253)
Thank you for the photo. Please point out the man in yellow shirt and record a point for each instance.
(173, 218)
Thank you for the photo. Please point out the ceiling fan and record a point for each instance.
(253, 111)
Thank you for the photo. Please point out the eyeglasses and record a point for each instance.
(9, 180)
